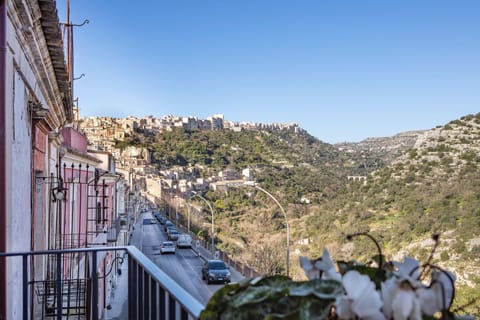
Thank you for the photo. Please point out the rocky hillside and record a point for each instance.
(433, 187)
(384, 149)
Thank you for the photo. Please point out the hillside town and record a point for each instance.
(104, 132)
(154, 185)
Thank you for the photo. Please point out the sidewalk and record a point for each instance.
(119, 295)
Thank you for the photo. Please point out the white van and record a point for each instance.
(184, 241)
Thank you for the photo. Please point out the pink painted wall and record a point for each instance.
(39, 149)
(74, 139)
(80, 206)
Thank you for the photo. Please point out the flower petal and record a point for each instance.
(356, 284)
(368, 304)
(343, 308)
(306, 264)
(324, 263)
(429, 300)
(308, 268)
(332, 274)
(388, 289)
(402, 304)
(405, 305)
(409, 266)
(446, 283)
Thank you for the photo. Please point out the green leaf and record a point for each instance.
(275, 297)
(315, 309)
(323, 289)
(254, 295)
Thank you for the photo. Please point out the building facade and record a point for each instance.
(36, 102)
(54, 195)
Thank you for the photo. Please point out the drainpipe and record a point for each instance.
(3, 152)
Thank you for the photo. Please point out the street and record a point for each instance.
(184, 266)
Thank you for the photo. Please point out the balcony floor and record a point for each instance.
(119, 297)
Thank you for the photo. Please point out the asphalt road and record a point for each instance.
(184, 266)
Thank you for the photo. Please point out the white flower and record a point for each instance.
(321, 266)
(405, 304)
(428, 299)
(308, 267)
(408, 269)
(343, 308)
(362, 300)
(325, 264)
(388, 289)
(439, 295)
(446, 281)
(402, 296)
(400, 301)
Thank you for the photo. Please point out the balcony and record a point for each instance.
(80, 294)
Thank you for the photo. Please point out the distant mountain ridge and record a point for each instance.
(400, 141)
(385, 148)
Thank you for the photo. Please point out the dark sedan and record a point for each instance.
(216, 271)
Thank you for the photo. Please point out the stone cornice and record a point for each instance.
(37, 29)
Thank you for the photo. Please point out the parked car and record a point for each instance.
(167, 247)
(216, 271)
(170, 228)
(167, 224)
(161, 219)
(173, 234)
(184, 241)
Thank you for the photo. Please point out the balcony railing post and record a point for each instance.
(140, 293)
(25, 287)
(153, 299)
(94, 286)
(171, 307)
(132, 288)
(146, 295)
(162, 305)
(58, 284)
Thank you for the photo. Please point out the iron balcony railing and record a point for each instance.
(152, 294)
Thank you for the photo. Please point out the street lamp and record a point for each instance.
(176, 211)
(213, 221)
(188, 212)
(253, 184)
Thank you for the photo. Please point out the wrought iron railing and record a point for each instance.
(152, 294)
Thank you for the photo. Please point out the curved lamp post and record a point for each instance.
(188, 212)
(253, 184)
(213, 221)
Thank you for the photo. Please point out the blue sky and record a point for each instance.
(343, 70)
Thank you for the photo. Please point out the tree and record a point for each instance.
(266, 258)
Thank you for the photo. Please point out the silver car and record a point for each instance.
(167, 247)
(173, 234)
